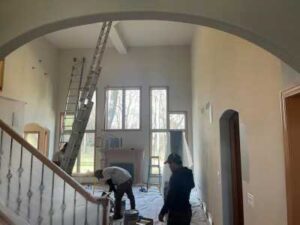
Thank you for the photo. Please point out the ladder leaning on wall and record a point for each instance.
(85, 103)
(72, 102)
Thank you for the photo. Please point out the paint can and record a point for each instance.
(131, 217)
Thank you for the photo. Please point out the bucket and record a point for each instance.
(131, 217)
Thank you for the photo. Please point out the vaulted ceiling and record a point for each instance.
(126, 33)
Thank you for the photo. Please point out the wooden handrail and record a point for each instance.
(57, 170)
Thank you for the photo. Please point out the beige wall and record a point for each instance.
(143, 67)
(231, 73)
(31, 86)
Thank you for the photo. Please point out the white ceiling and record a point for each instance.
(132, 33)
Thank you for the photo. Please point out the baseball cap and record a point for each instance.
(173, 157)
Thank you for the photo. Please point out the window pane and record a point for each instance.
(87, 153)
(75, 167)
(132, 109)
(92, 120)
(159, 108)
(114, 100)
(159, 147)
(67, 122)
(33, 139)
(177, 121)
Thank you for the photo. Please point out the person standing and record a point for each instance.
(177, 204)
(120, 182)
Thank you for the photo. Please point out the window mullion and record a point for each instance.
(123, 108)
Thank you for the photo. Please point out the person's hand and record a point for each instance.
(161, 217)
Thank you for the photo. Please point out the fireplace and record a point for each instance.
(129, 159)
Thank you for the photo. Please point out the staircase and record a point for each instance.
(35, 190)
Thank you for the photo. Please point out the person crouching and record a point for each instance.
(120, 182)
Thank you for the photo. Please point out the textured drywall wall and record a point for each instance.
(231, 73)
(25, 80)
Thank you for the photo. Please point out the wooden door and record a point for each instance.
(292, 153)
(237, 185)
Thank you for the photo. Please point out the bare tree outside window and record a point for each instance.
(132, 109)
(123, 109)
(159, 108)
(177, 121)
(159, 146)
(114, 110)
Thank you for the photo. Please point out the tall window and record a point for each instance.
(86, 158)
(162, 122)
(159, 123)
(123, 108)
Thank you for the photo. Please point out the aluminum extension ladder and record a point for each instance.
(72, 102)
(85, 101)
(154, 164)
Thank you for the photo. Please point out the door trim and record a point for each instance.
(287, 151)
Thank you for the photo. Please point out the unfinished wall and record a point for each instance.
(32, 86)
(231, 73)
(143, 67)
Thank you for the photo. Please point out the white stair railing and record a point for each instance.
(37, 190)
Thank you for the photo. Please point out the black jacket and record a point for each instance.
(180, 186)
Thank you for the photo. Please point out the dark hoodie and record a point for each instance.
(180, 186)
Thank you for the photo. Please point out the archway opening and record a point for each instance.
(232, 190)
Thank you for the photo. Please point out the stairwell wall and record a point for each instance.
(33, 82)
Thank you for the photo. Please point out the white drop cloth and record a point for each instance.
(149, 204)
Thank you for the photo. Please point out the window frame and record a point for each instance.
(164, 130)
(123, 89)
(150, 108)
(168, 129)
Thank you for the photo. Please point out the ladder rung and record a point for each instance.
(155, 175)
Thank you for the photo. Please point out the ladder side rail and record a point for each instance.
(66, 105)
(96, 68)
(80, 83)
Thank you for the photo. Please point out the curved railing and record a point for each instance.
(39, 191)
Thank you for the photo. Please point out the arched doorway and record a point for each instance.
(232, 189)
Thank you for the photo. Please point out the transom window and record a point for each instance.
(123, 108)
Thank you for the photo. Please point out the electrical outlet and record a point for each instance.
(250, 199)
